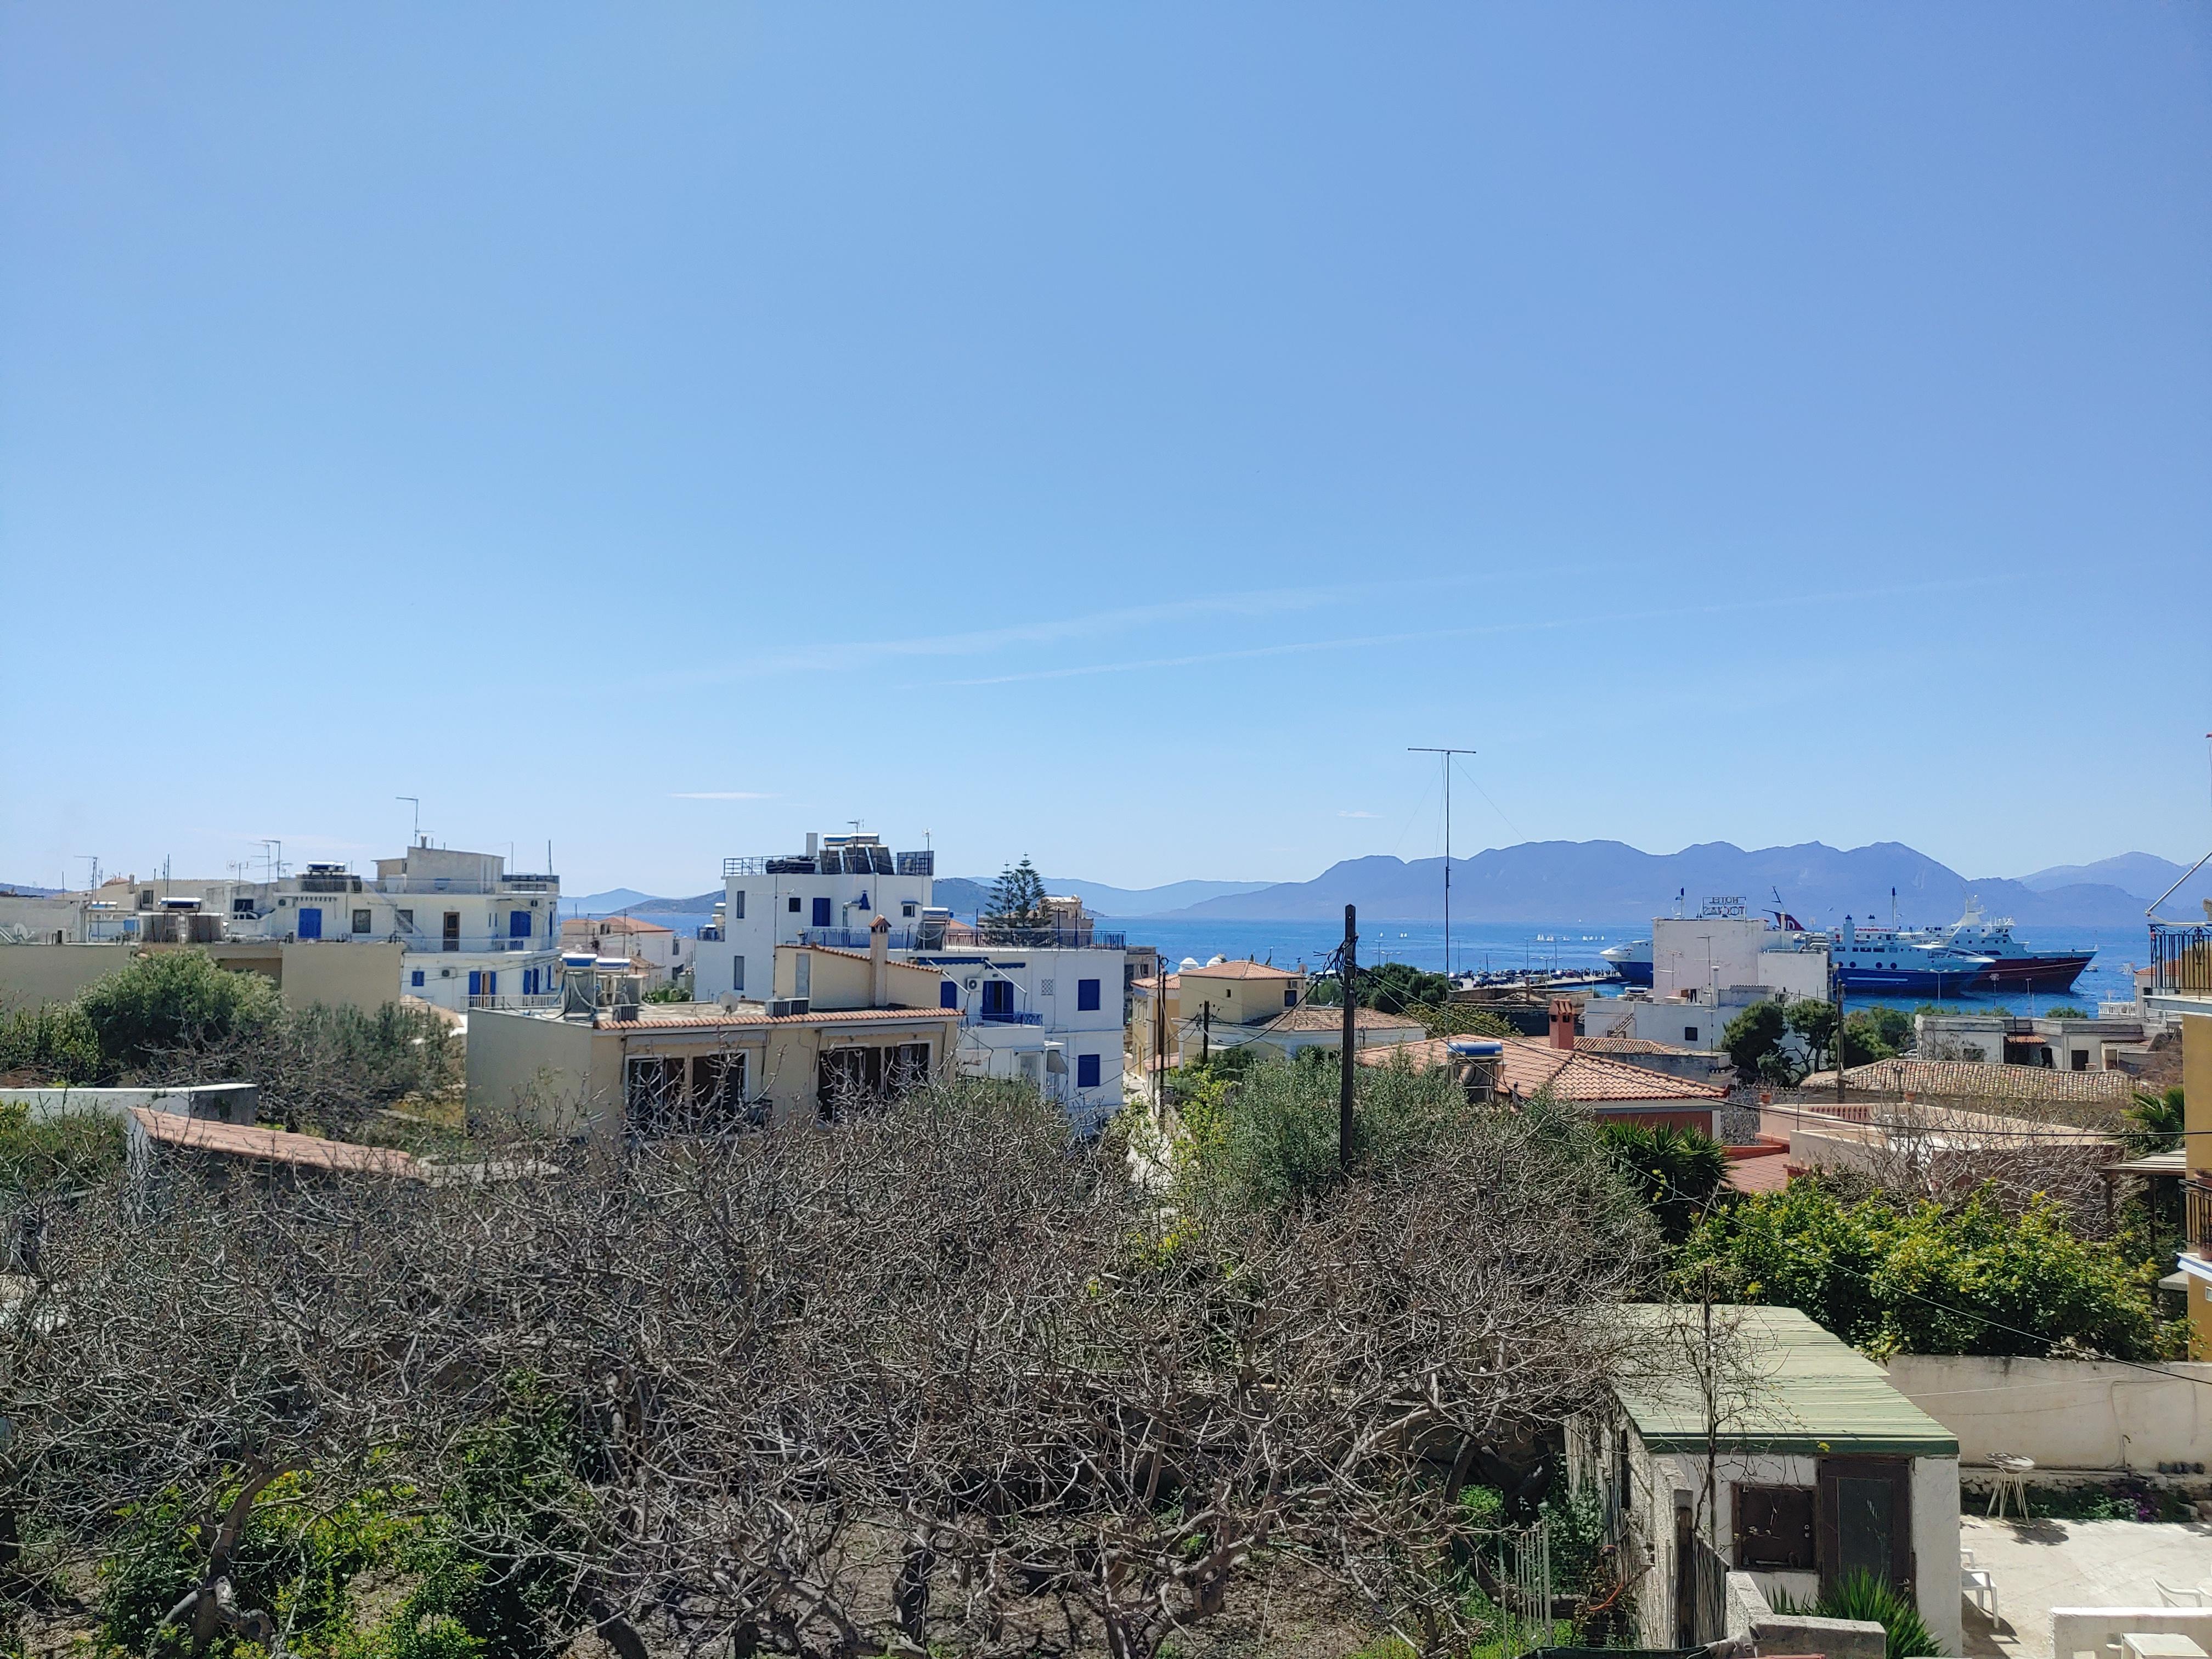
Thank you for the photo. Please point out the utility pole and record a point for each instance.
(1206, 1031)
(1446, 754)
(1345, 974)
(1837, 968)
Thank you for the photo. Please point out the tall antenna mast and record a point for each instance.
(1445, 755)
(416, 802)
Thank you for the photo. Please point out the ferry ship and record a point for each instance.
(2011, 962)
(1894, 959)
(1632, 961)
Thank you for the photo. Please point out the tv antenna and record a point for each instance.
(1445, 755)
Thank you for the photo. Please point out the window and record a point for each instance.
(948, 995)
(530, 981)
(310, 923)
(1774, 1529)
(417, 978)
(908, 910)
(360, 921)
(737, 973)
(518, 924)
(998, 999)
(239, 906)
(822, 913)
(1290, 994)
(1086, 996)
(652, 1093)
(452, 940)
(1044, 988)
(475, 983)
(1086, 1070)
(794, 904)
(1689, 1034)
(2081, 1060)
(406, 920)
(146, 898)
(737, 908)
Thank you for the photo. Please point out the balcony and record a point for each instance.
(853, 938)
(1049, 937)
(2197, 1215)
(2180, 960)
(1009, 1017)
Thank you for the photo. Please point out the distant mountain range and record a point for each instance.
(1609, 881)
(1601, 881)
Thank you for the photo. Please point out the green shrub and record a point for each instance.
(51, 1045)
(1862, 1595)
(1926, 1278)
(171, 1000)
(70, 1149)
(1678, 1171)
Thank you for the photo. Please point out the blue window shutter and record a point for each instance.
(491, 983)
(822, 913)
(1086, 996)
(310, 924)
(475, 983)
(518, 924)
(418, 976)
(1289, 996)
(1086, 1070)
(948, 995)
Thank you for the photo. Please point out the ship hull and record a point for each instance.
(1911, 981)
(1633, 972)
(2056, 972)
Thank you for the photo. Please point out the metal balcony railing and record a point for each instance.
(1049, 937)
(1010, 1018)
(853, 938)
(2180, 959)
(2196, 1214)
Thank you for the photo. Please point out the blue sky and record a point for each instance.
(1110, 434)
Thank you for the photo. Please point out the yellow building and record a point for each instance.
(2197, 1190)
(843, 1028)
(1238, 993)
(1146, 1015)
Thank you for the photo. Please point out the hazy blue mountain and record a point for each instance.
(25, 890)
(965, 894)
(604, 904)
(2146, 875)
(1609, 881)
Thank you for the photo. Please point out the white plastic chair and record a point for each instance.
(2012, 1472)
(2179, 1596)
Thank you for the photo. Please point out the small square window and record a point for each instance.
(418, 976)
(1689, 1034)
(1086, 995)
(794, 904)
(360, 921)
(909, 910)
(1045, 989)
(1086, 1070)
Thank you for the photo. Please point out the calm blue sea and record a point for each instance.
(1480, 946)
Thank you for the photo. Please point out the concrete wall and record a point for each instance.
(1798, 973)
(2064, 1413)
(356, 974)
(2096, 1631)
(542, 1073)
(225, 1103)
(34, 976)
(1686, 950)
(840, 979)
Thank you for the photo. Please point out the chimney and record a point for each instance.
(1563, 1023)
(879, 966)
(814, 843)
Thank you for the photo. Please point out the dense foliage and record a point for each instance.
(1679, 1172)
(1927, 1278)
(1017, 897)
(168, 1000)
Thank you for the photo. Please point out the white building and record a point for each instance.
(660, 952)
(1762, 1444)
(1697, 953)
(1048, 1014)
(1043, 1004)
(826, 896)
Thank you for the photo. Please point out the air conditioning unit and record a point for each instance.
(779, 1007)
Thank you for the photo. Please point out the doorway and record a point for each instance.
(1866, 1519)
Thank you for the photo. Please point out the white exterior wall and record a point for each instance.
(1684, 950)
(1656, 1478)
(1046, 984)
(443, 976)
(757, 916)
(1798, 974)
(2064, 1413)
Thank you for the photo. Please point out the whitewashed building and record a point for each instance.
(826, 896)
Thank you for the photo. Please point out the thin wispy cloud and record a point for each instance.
(1533, 625)
(718, 794)
(1359, 815)
(1053, 630)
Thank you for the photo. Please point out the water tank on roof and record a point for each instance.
(1191, 962)
(1215, 961)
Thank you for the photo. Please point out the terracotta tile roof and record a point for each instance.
(612, 925)
(1621, 1045)
(1769, 1172)
(272, 1145)
(1320, 1017)
(1569, 1073)
(1243, 971)
(1964, 1079)
(1175, 982)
